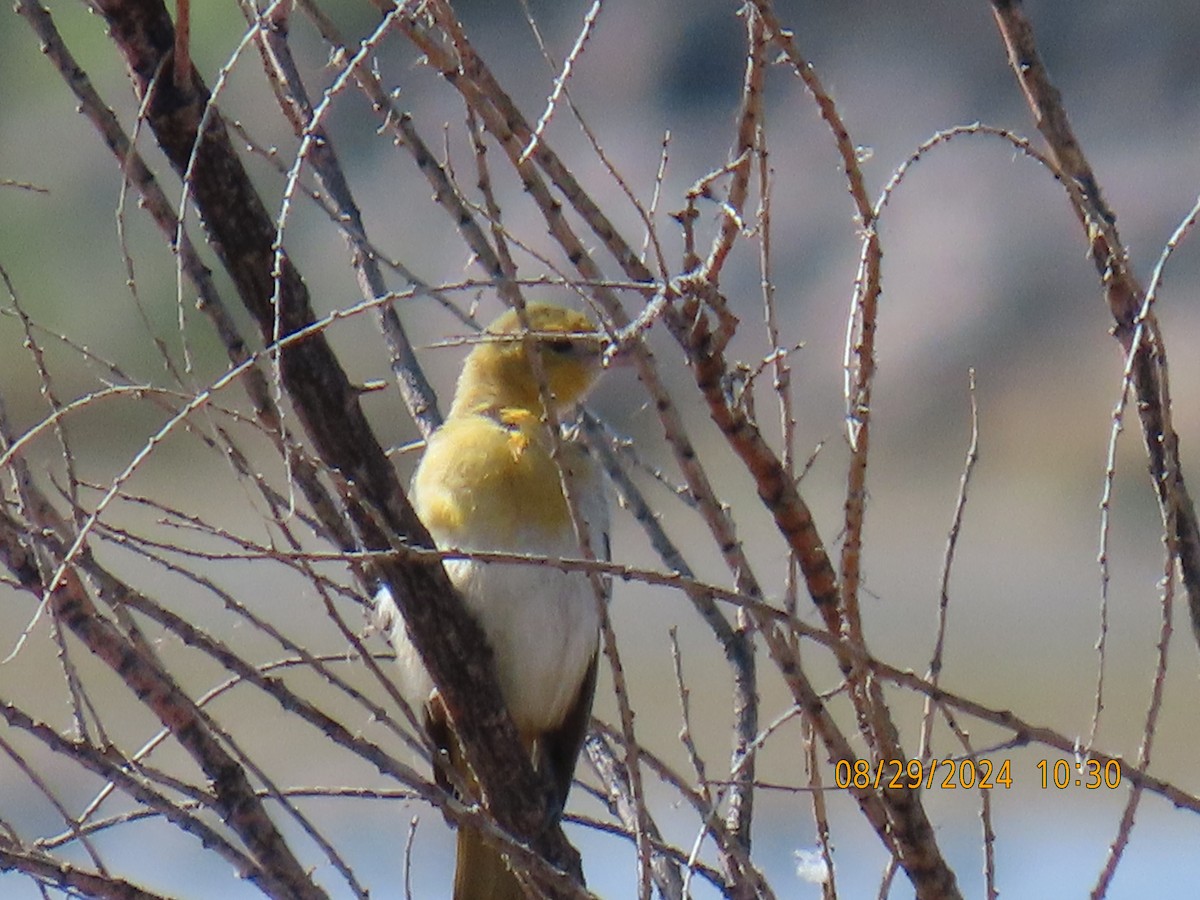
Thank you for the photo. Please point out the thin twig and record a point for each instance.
(933, 675)
(560, 82)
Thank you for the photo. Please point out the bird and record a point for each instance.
(491, 479)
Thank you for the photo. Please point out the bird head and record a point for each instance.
(498, 373)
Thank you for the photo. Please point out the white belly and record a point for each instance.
(542, 624)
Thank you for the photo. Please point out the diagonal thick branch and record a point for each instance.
(327, 404)
(1136, 327)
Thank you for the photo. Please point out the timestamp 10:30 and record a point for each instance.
(1089, 773)
(968, 773)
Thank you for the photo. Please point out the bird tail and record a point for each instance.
(480, 872)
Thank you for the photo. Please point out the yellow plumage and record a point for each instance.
(489, 481)
(475, 464)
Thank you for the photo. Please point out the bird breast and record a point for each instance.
(491, 484)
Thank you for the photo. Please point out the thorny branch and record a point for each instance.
(1136, 326)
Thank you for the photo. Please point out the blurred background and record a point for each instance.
(984, 269)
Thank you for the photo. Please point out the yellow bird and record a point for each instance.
(488, 482)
